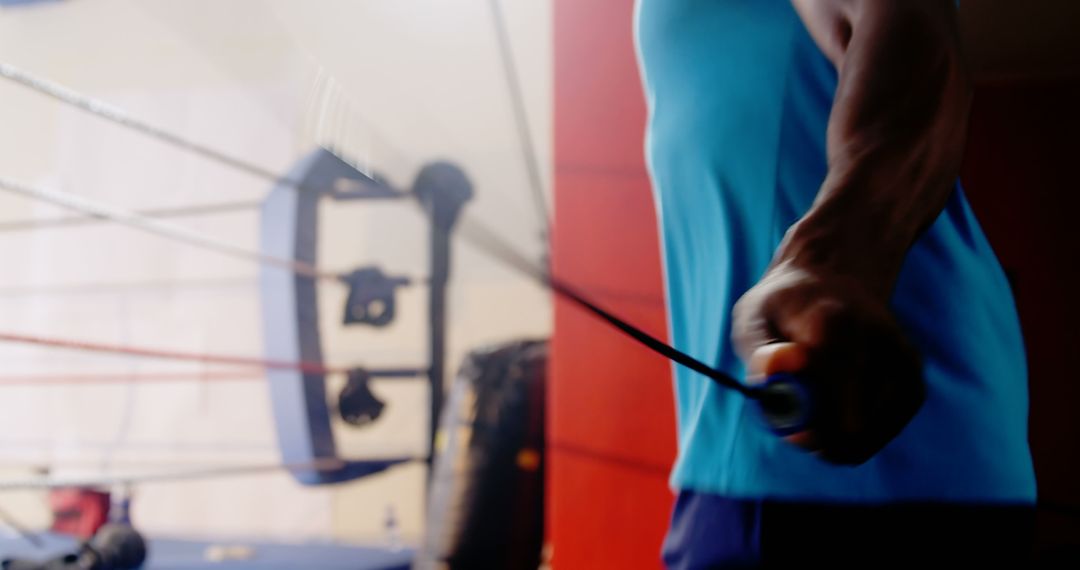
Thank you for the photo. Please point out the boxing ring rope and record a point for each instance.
(167, 476)
(197, 376)
(130, 287)
(115, 115)
(161, 213)
(203, 358)
(166, 230)
(474, 233)
(145, 220)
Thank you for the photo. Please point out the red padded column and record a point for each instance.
(611, 431)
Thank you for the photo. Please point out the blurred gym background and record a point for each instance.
(390, 86)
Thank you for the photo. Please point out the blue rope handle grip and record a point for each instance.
(786, 402)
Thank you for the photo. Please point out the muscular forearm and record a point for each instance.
(895, 135)
(894, 144)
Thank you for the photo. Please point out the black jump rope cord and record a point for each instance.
(482, 238)
(490, 242)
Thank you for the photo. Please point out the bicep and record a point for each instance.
(829, 23)
(864, 25)
(900, 70)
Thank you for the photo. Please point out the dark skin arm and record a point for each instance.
(895, 141)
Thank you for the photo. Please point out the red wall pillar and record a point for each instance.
(611, 434)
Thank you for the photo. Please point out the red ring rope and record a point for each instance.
(129, 378)
(143, 352)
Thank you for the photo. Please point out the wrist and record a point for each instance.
(858, 248)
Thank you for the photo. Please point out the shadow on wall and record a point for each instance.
(1019, 176)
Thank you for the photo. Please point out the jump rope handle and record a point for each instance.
(787, 403)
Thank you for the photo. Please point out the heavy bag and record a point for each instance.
(486, 501)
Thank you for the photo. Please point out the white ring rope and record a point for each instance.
(158, 227)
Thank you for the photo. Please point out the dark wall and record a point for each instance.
(1021, 174)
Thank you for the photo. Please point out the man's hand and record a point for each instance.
(895, 140)
(864, 375)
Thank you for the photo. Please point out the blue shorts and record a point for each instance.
(709, 531)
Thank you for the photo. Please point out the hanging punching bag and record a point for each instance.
(486, 502)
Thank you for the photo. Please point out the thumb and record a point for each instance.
(779, 357)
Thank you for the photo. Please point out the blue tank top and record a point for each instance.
(739, 98)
